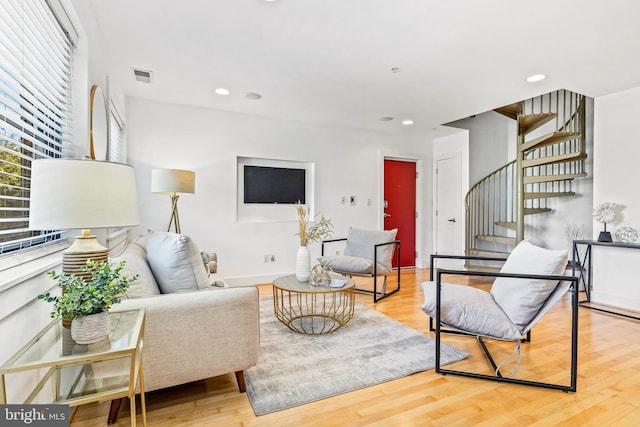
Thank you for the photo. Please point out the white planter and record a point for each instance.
(303, 264)
(91, 328)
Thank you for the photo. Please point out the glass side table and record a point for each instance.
(69, 373)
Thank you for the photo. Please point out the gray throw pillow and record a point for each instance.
(176, 262)
(360, 243)
(521, 299)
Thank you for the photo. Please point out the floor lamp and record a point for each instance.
(172, 182)
(82, 194)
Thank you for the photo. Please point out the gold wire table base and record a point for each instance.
(312, 310)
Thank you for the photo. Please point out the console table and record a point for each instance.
(75, 374)
(585, 274)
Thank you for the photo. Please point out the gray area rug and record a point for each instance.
(372, 348)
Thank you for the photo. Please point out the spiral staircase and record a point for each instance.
(550, 156)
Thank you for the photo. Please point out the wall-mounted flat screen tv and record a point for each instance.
(266, 184)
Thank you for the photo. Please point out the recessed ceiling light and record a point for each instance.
(222, 91)
(536, 78)
(385, 119)
(408, 122)
(253, 95)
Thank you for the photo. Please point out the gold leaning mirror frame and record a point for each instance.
(98, 124)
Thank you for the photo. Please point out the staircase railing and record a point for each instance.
(490, 201)
(551, 152)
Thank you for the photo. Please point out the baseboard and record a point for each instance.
(253, 280)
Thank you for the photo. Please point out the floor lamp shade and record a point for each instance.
(82, 194)
(172, 182)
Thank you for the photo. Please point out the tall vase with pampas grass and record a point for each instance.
(309, 231)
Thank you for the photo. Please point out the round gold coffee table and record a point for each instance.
(310, 309)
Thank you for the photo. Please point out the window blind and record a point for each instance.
(35, 110)
(116, 137)
(116, 235)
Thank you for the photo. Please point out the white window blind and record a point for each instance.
(116, 236)
(35, 110)
(116, 137)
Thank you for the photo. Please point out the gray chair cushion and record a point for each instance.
(521, 299)
(352, 265)
(176, 262)
(469, 309)
(360, 243)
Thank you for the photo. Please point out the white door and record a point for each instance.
(449, 213)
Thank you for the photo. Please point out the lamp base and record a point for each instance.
(84, 247)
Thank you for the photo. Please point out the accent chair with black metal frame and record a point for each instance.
(368, 253)
(528, 285)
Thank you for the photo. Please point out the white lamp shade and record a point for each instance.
(172, 181)
(67, 194)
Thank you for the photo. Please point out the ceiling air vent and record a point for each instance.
(143, 76)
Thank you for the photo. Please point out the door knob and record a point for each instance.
(452, 220)
(386, 215)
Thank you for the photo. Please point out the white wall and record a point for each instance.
(346, 162)
(617, 179)
(491, 142)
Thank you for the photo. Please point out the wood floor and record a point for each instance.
(608, 383)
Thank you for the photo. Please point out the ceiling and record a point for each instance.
(330, 61)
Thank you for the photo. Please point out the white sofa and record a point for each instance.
(190, 334)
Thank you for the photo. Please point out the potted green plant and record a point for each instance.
(86, 301)
(309, 231)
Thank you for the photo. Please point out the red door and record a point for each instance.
(400, 207)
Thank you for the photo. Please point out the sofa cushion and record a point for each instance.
(176, 262)
(360, 243)
(136, 258)
(521, 299)
(469, 309)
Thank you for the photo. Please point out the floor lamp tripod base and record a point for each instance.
(175, 220)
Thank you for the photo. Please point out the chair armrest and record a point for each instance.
(196, 335)
(375, 256)
(465, 257)
(330, 241)
(559, 278)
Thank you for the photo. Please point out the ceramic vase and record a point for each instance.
(303, 264)
(91, 328)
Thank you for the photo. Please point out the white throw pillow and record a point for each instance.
(176, 262)
(521, 299)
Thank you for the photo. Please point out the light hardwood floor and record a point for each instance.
(608, 383)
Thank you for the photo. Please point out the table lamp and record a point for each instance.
(172, 182)
(82, 194)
